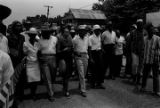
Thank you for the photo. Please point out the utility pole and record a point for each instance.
(48, 8)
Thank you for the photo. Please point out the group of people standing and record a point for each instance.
(49, 50)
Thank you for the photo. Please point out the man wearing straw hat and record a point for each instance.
(80, 45)
(137, 51)
(96, 58)
(47, 58)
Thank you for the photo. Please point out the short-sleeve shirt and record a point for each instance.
(6, 67)
(137, 42)
(81, 45)
(95, 42)
(4, 44)
(31, 50)
(48, 46)
(151, 50)
(119, 45)
(108, 37)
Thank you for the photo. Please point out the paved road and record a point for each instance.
(118, 94)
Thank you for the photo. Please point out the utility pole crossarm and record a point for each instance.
(48, 8)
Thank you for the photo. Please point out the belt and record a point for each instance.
(96, 50)
(48, 54)
(81, 53)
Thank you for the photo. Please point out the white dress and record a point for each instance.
(32, 65)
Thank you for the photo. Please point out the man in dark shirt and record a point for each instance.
(137, 51)
(15, 43)
(65, 50)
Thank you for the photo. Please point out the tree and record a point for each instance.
(97, 6)
(126, 11)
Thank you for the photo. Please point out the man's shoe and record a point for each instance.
(108, 77)
(143, 90)
(92, 86)
(157, 94)
(51, 99)
(83, 94)
(100, 86)
(67, 94)
(34, 97)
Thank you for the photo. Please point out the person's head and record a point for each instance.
(156, 31)
(32, 33)
(45, 32)
(54, 30)
(109, 26)
(139, 24)
(118, 33)
(97, 30)
(150, 29)
(66, 32)
(27, 25)
(82, 30)
(73, 32)
(17, 27)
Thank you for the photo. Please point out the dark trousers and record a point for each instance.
(146, 72)
(128, 69)
(68, 72)
(97, 73)
(109, 59)
(48, 69)
(118, 64)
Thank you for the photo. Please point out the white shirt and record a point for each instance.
(31, 50)
(4, 44)
(48, 46)
(119, 45)
(81, 45)
(95, 42)
(6, 67)
(108, 37)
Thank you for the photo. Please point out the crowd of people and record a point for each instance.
(94, 50)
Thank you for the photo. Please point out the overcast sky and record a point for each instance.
(23, 8)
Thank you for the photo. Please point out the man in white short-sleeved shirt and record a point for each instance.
(80, 45)
(97, 77)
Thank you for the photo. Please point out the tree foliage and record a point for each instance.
(127, 11)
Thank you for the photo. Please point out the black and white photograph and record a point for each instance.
(79, 53)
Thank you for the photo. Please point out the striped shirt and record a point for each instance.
(137, 42)
(151, 50)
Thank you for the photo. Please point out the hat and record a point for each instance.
(45, 28)
(4, 12)
(82, 27)
(32, 30)
(54, 28)
(139, 20)
(73, 31)
(135, 26)
(95, 27)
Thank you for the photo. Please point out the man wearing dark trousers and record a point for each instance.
(108, 44)
(96, 58)
(151, 59)
(65, 52)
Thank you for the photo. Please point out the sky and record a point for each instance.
(23, 8)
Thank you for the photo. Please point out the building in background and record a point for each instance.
(81, 16)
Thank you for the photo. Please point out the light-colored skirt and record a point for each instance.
(33, 71)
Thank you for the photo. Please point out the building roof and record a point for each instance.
(87, 14)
